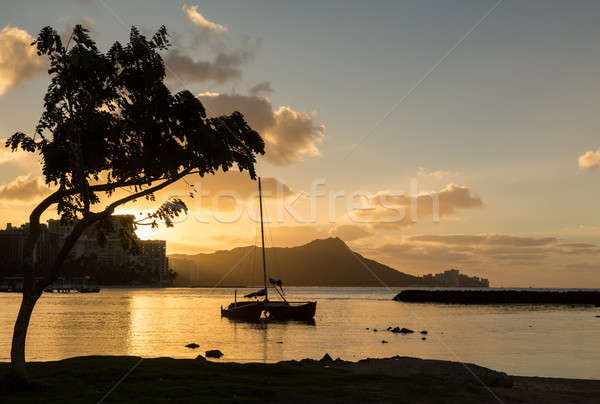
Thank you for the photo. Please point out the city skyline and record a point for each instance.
(147, 255)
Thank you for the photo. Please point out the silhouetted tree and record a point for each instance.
(109, 123)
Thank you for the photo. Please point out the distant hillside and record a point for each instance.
(326, 262)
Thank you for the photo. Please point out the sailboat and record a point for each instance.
(274, 309)
(249, 310)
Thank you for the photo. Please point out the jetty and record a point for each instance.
(14, 284)
(490, 296)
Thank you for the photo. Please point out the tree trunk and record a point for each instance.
(32, 290)
(30, 295)
(17, 353)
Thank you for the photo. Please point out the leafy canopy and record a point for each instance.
(109, 121)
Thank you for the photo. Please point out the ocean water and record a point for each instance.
(553, 341)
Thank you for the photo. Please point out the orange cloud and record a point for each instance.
(7, 155)
(483, 239)
(202, 22)
(290, 136)
(505, 246)
(18, 59)
(389, 209)
(590, 159)
(24, 188)
(503, 258)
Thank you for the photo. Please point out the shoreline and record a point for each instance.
(392, 379)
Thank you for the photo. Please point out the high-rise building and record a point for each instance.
(152, 253)
(12, 243)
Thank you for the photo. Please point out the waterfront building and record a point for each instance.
(152, 253)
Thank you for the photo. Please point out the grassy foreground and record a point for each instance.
(88, 379)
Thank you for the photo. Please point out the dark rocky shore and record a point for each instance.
(403, 366)
(499, 297)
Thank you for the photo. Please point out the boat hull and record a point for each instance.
(249, 311)
(290, 310)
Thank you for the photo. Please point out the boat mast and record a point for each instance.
(262, 235)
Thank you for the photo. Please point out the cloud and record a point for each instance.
(7, 155)
(208, 27)
(422, 258)
(350, 232)
(503, 245)
(294, 137)
(25, 188)
(261, 88)
(18, 59)
(590, 159)
(484, 239)
(503, 258)
(388, 209)
(499, 246)
(290, 136)
(184, 67)
(224, 66)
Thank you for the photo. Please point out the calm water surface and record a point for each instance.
(555, 341)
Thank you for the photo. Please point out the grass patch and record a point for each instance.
(88, 379)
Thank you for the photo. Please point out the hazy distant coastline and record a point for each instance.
(322, 262)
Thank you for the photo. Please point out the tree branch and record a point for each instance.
(83, 224)
(31, 241)
(33, 235)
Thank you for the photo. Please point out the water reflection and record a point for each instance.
(264, 323)
(526, 340)
(273, 333)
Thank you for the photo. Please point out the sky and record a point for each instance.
(427, 135)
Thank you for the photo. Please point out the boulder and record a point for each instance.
(374, 329)
(200, 358)
(454, 371)
(403, 330)
(423, 338)
(384, 341)
(213, 353)
(424, 332)
(193, 345)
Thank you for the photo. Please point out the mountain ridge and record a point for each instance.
(321, 262)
